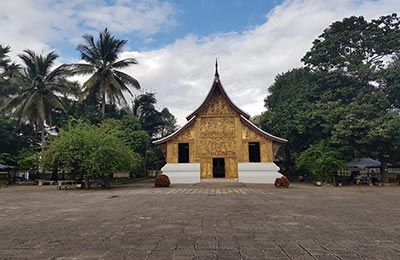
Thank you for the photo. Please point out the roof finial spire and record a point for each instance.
(216, 68)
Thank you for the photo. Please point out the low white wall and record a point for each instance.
(258, 172)
(182, 172)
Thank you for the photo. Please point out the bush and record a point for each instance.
(321, 161)
(162, 181)
(282, 182)
(90, 152)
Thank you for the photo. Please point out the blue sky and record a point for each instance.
(176, 41)
(207, 17)
(193, 17)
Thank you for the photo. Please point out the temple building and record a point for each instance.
(220, 142)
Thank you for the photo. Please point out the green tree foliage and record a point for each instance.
(129, 131)
(321, 161)
(4, 59)
(347, 96)
(143, 108)
(40, 86)
(90, 152)
(168, 123)
(9, 71)
(38, 94)
(28, 160)
(157, 124)
(14, 138)
(390, 80)
(107, 82)
(292, 113)
(356, 47)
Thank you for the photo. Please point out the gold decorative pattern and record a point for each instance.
(206, 168)
(172, 153)
(249, 134)
(217, 127)
(231, 168)
(185, 135)
(218, 106)
(245, 152)
(266, 151)
(217, 147)
(219, 133)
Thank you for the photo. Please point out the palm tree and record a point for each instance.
(9, 71)
(107, 81)
(40, 91)
(4, 59)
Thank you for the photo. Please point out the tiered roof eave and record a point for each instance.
(244, 117)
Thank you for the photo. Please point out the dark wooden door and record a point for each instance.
(218, 167)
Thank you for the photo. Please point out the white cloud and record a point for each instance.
(41, 24)
(181, 73)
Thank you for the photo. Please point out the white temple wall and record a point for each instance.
(248, 172)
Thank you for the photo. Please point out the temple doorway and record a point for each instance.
(218, 168)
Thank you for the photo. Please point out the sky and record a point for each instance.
(177, 41)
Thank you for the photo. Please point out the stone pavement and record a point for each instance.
(203, 221)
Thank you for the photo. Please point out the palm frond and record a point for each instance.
(47, 62)
(55, 102)
(89, 52)
(127, 79)
(4, 59)
(78, 69)
(116, 90)
(58, 73)
(124, 63)
(28, 57)
(92, 84)
(40, 87)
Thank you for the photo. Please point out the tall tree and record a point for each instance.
(107, 82)
(143, 107)
(168, 123)
(9, 71)
(356, 47)
(349, 93)
(293, 114)
(366, 52)
(41, 87)
(90, 152)
(4, 59)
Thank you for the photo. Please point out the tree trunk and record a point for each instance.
(145, 164)
(103, 105)
(42, 136)
(87, 184)
(384, 173)
(54, 175)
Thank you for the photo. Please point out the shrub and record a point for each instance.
(282, 182)
(162, 181)
(90, 152)
(321, 161)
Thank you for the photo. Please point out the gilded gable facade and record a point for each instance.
(217, 135)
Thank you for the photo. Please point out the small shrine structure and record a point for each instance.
(220, 142)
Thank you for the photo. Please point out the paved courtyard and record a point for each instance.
(203, 221)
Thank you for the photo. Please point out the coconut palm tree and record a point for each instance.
(40, 91)
(9, 71)
(107, 82)
(4, 59)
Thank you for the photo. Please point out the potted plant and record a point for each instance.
(162, 181)
(282, 182)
